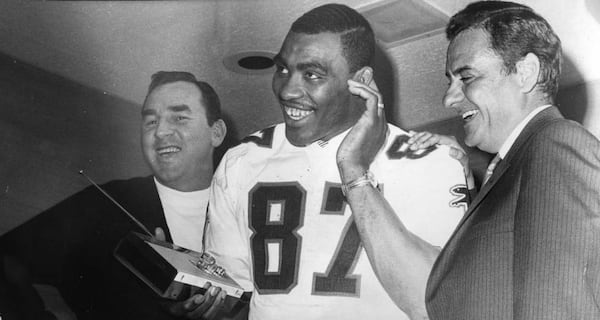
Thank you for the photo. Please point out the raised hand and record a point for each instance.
(360, 146)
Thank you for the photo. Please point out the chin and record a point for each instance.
(295, 136)
(298, 142)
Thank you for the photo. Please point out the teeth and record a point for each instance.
(166, 150)
(297, 114)
(469, 114)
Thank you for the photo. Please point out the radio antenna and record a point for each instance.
(118, 205)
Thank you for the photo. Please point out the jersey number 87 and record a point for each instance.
(276, 212)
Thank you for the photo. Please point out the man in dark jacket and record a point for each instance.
(70, 246)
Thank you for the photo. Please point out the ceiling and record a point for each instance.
(115, 46)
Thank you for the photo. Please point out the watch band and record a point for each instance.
(365, 179)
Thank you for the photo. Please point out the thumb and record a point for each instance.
(159, 234)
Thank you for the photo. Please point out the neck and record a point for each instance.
(536, 99)
(198, 182)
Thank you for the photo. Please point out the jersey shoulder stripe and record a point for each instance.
(252, 150)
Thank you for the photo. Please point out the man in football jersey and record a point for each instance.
(279, 222)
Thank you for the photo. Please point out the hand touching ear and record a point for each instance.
(360, 146)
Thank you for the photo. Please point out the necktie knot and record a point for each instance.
(490, 168)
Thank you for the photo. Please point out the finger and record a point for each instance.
(191, 302)
(426, 136)
(369, 88)
(216, 306)
(449, 141)
(371, 94)
(462, 157)
(416, 136)
(205, 302)
(456, 153)
(380, 105)
(360, 89)
(372, 97)
(180, 308)
(373, 85)
(424, 140)
(159, 234)
(195, 298)
(197, 309)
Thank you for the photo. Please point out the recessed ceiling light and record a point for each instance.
(250, 62)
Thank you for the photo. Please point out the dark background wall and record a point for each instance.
(50, 128)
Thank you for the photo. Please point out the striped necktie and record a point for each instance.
(490, 169)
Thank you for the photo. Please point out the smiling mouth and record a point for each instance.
(467, 116)
(297, 114)
(165, 151)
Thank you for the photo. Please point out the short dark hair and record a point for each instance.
(210, 99)
(514, 31)
(356, 35)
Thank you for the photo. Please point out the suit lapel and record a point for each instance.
(540, 120)
(152, 212)
(498, 172)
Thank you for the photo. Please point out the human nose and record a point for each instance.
(453, 95)
(290, 88)
(163, 128)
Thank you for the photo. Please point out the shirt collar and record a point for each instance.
(508, 143)
(190, 197)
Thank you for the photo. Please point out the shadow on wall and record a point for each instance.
(384, 77)
(572, 98)
(593, 7)
(51, 128)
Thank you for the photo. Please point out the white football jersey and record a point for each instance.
(279, 224)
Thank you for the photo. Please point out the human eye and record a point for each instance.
(181, 118)
(149, 121)
(312, 75)
(280, 69)
(466, 77)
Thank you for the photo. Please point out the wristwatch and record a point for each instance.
(365, 179)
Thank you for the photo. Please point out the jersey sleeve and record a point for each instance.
(226, 236)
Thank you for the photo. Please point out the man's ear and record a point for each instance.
(364, 75)
(218, 132)
(528, 71)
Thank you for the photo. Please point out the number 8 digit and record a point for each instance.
(276, 212)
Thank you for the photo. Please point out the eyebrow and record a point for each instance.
(302, 65)
(458, 70)
(174, 108)
(311, 65)
(179, 108)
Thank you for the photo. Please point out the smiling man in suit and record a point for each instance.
(529, 245)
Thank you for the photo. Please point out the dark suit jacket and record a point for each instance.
(71, 247)
(529, 245)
